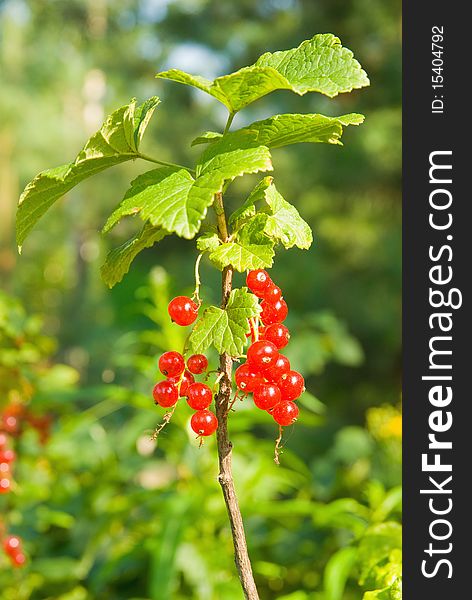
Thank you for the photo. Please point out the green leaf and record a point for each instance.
(337, 572)
(208, 242)
(236, 90)
(161, 196)
(248, 209)
(376, 546)
(119, 259)
(282, 130)
(117, 141)
(206, 138)
(317, 65)
(171, 198)
(225, 329)
(285, 224)
(251, 248)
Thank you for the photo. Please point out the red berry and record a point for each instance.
(258, 281)
(197, 363)
(266, 396)
(204, 422)
(292, 385)
(12, 544)
(275, 371)
(7, 456)
(247, 377)
(183, 310)
(273, 313)
(200, 396)
(18, 559)
(4, 469)
(11, 423)
(5, 485)
(285, 413)
(262, 354)
(165, 393)
(278, 334)
(184, 382)
(171, 364)
(272, 293)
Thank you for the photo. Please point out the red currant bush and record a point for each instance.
(183, 310)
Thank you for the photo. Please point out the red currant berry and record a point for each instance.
(273, 313)
(184, 382)
(3, 440)
(171, 364)
(4, 469)
(275, 371)
(199, 396)
(12, 544)
(5, 485)
(292, 385)
(204, 422)
(258, 281)
(18, 559)
(165, 393)
(247, 378)
(7, 456)
(183, 310)
(285, 413)
(197, 363)
(266, 396)
(262, 354)
(272, 293)
(278, 334)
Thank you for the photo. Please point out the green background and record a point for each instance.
(102, 513)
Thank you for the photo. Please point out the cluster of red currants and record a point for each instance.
(11, 544)
(267, 373)
(13, 549)
(7, 460)
(181, 382)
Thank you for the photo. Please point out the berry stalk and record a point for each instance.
(223, 398)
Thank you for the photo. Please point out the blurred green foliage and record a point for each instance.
(105, 514)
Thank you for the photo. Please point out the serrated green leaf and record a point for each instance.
(285, 224)
(225, 329)
(236, 90)
(206, 137)
(119, 259)
(171, 198)
(248, 209)
(208, 242)
(161, 196)
(282, 130)
(250, 249)
(116, 142)
(317, 65)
